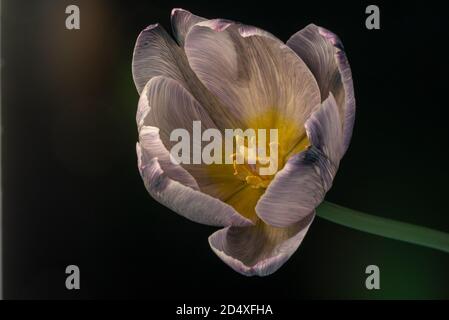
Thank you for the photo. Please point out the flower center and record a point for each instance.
(241, 183)
(254, 160)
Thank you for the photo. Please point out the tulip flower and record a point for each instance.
(229, 75)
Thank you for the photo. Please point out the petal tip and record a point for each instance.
(218, 25)
(235, 264)
(176, 10)
(261, 269)
(151, 27)
(331, 37)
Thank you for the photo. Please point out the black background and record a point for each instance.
(72, 193)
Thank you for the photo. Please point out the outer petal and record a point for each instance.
(152, 147)
(181, 21)
(258, 250)
(170, 106)
(323, 130)
(155, 54)
(303, 182)
(192, 204)
(248, 31)
(251, 73)
(323, 53)
(167, 105)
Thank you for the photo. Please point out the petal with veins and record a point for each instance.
(170, 106)
(259, 79)
(192, 204)
(167, 105)
(261, 249)
(152, 147)
(156, 54)
(301, 185)
(227, 76)
(181, 21)
(324, 54)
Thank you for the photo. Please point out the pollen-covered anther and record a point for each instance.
(249, 170)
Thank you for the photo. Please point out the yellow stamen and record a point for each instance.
(250, 184)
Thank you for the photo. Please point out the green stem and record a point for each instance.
(384, 227)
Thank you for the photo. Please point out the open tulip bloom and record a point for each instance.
(223, 75)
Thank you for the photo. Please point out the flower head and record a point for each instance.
(227, 76)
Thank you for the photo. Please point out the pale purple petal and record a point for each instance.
(156, 53)
(181, 21)
(248, 31)
(167, 105)
(346, 78)
(258, 250)
(151, 147)
(193, 205)
(306, 177)
(324, 132)
(251, 73)
(324, 54)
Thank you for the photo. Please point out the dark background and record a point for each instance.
(72, 193)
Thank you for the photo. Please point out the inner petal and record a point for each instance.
(250, 73)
